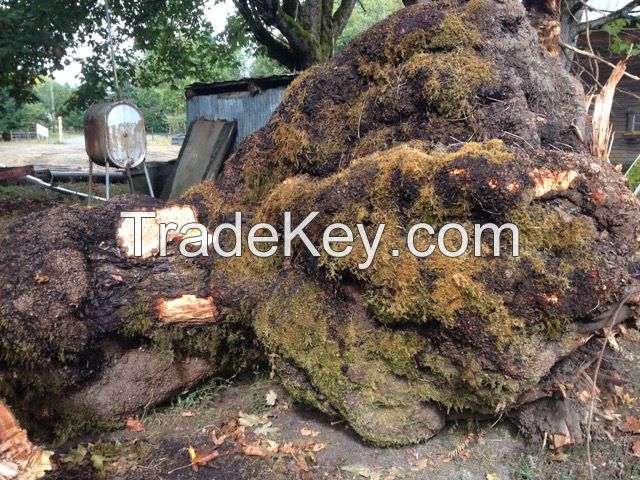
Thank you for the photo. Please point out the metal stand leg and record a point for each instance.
(90, 183)
(146, 174)
(130, 180)
(107, 181)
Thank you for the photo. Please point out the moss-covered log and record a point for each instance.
(447, 112)
(89, 334)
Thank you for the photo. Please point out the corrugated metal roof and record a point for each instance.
(244, 85)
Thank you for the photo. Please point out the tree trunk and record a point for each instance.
(410, 124)
(81, 309)
(306, 31)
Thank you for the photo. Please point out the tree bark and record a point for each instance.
(305, 32)
(411, 124)
(83, 308)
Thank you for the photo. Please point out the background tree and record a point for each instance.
(365, 14)
(296, 33)
(564, 21)
(38, 36)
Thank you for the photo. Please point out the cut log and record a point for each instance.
(441, 114)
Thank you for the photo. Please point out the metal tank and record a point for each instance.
(114, 135)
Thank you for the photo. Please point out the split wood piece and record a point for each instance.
(187, 309)
(19, 458)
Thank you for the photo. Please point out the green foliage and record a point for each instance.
(48, 100)
(264, 66)
(618, 44)
(634, 176)
(163, 107)
(174, 36)
(35, 37)
(196, 56)
(11, 116)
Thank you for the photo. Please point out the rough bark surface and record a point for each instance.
(446, 112)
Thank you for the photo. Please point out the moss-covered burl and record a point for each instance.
(446, 112)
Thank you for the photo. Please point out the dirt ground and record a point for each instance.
(285, 440)
(466, 450)
(71, 154)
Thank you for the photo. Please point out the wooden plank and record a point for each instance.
(8, 173)
(203, 151)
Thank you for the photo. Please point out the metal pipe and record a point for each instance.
(107, 184)
(90, 182)
(146, 174)
(71, 176)
(50, 186)
(37, 181)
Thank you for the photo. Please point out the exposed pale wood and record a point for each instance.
(545, 181)
(19, 458)
(602, 135)
(178, 214)
(187, 309)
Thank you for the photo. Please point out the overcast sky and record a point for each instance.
(216, 13)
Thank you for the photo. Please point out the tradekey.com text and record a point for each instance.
(338, 240)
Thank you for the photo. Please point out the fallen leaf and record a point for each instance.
(420, 465)
(362, 470)
(307, 432)
(75, 456)
(217, 441)
(630, 425)
(255, 450)
(117, 278)
(492, 476)
(98, 462)
(187, 414)
(314, 447)
(559, 457)
(248, 420)
(192, 453)
(203, 459)
(635, 448)
(271, 398)
(288, 448)
(266, 429)
(40, 278)
(134, 425)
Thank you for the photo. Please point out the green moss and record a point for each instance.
(451, 80)
(81, 421)
(544, 231)
(374, 378)
(210, 195)
(455, 33)
(399, 50)
(141, 324)
(138, 317)
(553, 326)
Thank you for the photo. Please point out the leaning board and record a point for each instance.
(205, 148)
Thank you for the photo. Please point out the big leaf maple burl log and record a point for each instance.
(446, 112)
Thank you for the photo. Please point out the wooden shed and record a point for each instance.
(249, 102)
